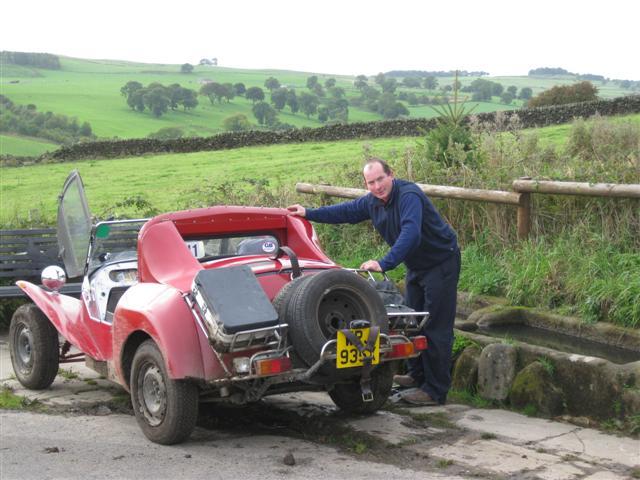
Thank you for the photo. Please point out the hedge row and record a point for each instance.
(534, 117)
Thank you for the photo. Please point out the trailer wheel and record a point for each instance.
(348, 396)
(34, 347)
(166, 409)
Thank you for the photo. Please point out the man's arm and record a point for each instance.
(354, 211)
(410, 232)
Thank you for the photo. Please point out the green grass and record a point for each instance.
(170, 181)
(90, 91)
(24, 146)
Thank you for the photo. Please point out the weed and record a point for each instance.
(530, 410)
(90, 381)
(635, 472)
(11, 401)
(67, 374)
(487, 436)
(444, 463)
(470, 398)
(548, 365)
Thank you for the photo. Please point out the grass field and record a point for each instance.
(24, 146)
(90, 91)
(28, 194)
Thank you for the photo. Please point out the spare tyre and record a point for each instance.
(325, 303)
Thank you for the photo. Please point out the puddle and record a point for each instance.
(561, 342)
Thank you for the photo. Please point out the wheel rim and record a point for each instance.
(24, 348)
(337, 308)
(152, 394)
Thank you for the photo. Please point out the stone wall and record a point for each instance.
(534, 117)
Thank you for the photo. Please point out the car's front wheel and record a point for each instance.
(34, 347)
(165, 409)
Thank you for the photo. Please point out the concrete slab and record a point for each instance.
(390, 427)
(513, 425)
(500, 457)
(598, 447)
(605, 475)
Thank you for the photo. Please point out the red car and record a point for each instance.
(219, 304)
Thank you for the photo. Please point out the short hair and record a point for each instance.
(385, 166)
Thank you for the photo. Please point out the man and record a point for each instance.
(427, 245)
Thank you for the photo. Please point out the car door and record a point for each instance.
(74, 231)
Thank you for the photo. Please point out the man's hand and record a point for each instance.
(371, 265)
(297, 210)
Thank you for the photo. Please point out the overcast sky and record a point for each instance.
(502, 37)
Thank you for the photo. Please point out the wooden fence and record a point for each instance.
(520, 197)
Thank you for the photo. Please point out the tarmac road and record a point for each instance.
(81, 434)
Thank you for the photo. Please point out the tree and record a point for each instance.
(208, 90)
(136, 99)
(186, 68)
(239, 89)
(312, 82)
(189, 98)
(264, 113)
(308, 103)
(430, 83)
(130, 87)
(157, 100)
(389, 107)
(337, 92)
(227, 92)
(389, 85)
(559, 95)
(507, 98)
(411, 82)
(513, 90)
(525, 93)
(279, 98)
(330, 83)
(318, 90)
(361, 82)
(167, 133)
(271, 83)
(323, 114)
(255, 94)
(496, 89)
(236, 123)
(380, 78)
(292, 101)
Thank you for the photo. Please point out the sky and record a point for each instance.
(348, 37)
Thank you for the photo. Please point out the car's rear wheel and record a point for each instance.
(348, 396)
(34, 347)
(317, 308)
(165, 409)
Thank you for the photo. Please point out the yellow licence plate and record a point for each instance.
(348, 354)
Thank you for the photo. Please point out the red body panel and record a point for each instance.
(161, 312)
(71, 319)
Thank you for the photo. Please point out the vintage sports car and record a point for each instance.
(219, 304)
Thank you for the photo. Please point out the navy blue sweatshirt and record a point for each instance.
(408, 222)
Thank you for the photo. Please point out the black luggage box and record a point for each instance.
(234, 298)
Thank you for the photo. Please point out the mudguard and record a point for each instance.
(161, 312)
(67, 314)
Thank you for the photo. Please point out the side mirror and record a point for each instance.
(53, 277)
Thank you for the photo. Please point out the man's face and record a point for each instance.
(378, 182)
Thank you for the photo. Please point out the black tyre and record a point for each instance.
(281, 300)
(326, 303)
(34, 347)
(165, 409)
(348, 396)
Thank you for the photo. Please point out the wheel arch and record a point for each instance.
(128, 352)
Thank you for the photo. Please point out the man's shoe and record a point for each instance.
(405, 381)
(419, 397)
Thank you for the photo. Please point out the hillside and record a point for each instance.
(90, 91)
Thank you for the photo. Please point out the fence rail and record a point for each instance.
(520, 197)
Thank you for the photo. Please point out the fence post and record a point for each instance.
(524, 216)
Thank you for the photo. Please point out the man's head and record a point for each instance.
(378, 178)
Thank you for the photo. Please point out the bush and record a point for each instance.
(559, 95)
(236, 123)
(167, 133)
